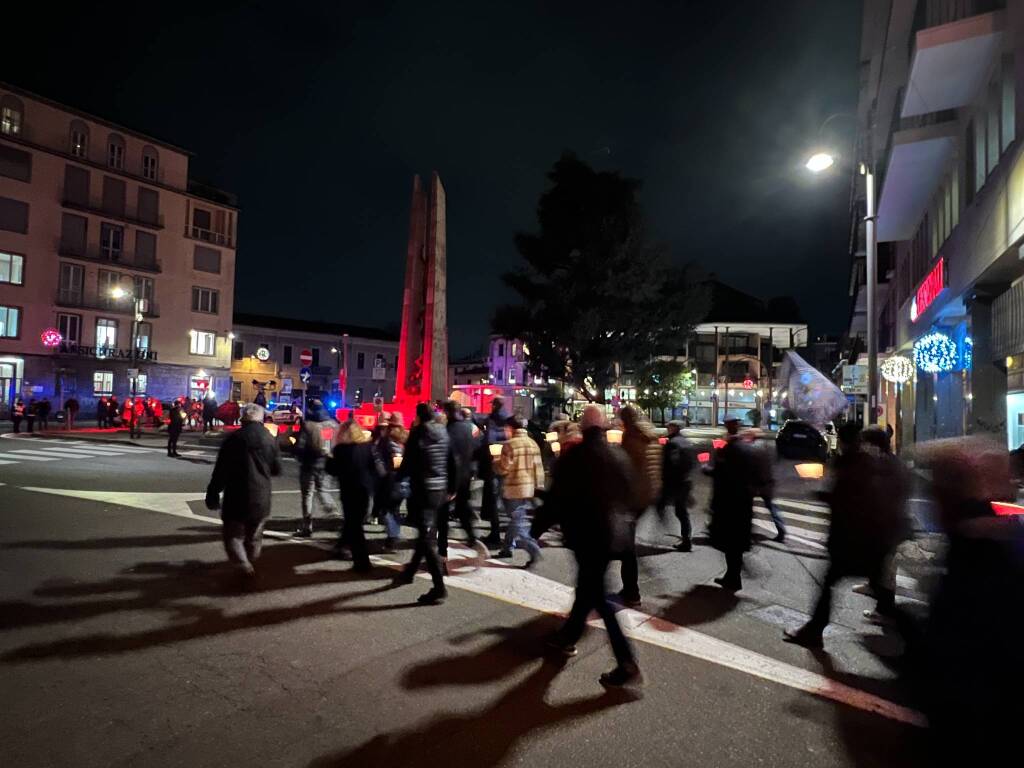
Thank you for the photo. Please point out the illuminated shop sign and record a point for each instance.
(929, 289)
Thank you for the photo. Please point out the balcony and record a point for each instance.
(94, 254)
(209, 236)
(87, 300)
(99, 210)
(951, 61)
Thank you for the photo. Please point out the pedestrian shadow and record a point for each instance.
(195, 460)
(117, 542)
(493, 731)
(173, 588)
(701, 605)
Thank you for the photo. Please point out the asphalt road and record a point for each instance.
(125, 641)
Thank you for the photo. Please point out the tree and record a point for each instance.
(663, 384)
(596, 296)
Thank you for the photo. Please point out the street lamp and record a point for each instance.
(816, 164)
(117, 292)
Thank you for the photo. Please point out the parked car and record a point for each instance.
(799, 439)
(285, 413)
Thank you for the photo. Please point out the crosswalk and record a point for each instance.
(32, 450)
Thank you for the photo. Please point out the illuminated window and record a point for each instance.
(9, 322)
(103, 382)
(79, 139)
(115, 152)
(11, 111)
(143, 334)
(515, 349)
(12, 267)
(202, 343)
(141, 382)
(106, 336)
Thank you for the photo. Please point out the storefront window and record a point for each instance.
(1015, 420)
(103, 382)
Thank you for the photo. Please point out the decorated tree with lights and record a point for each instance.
(663, 384)
(596, 296)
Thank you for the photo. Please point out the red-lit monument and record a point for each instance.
(422, 374)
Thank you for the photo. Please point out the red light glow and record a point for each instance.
(718, 443)
(704, 458)
(929, 289)
(1004, 509)
(51, 337)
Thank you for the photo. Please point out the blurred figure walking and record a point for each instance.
(71, 407)
(357, 468)
(640, 443)
(594, 488)
(460, 471)
(245, 463)
(387, 499)
(522, 470)
(764, 485)
(494, 433)
(676, 486)
(734, 475)
(174, 427)
(312, 449)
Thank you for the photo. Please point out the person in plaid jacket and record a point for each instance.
(521, 467)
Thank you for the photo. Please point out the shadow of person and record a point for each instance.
(492, 732)
(700, 605)
(116, 542)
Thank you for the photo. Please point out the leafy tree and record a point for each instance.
(663, 384)
(596, 296)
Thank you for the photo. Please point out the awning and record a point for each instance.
(918, 159)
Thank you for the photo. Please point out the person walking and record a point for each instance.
(136, 413)
(102, 413)
(312, 449)
(71, 407)
(461, 446)
(17, 414)
(640, 443)
(174, 427)
(113, 412)
(30, 414)
(732, 504)
(594, 486)
(765, 483)
(425, 464)
(676, 486)
(245, 464)
(209, 412)
(493, 434)
(387, 498)
(357, 468)
(43, 409)
(522, 470)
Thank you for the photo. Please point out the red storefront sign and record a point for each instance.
(929, 289)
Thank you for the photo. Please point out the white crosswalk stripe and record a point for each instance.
(66, 450)
(26, 458)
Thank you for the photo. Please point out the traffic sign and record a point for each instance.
(305, 374)
(306, 356)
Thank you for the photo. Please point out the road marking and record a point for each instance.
(7, 462)
(813, 537)
(27, 458)
(802, 505)
(54, 452)
(794, 516)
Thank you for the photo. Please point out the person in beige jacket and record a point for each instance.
(521, 467)
(641, 445)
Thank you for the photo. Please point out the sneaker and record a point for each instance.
(554, 643)
(780, 538)
(729, 584)
(621, 676)
(629, 600)
(878, 619)
(433, 597)
(864, 589)
(504, 554)
(804, 636)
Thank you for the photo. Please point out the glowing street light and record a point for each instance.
(820, 161)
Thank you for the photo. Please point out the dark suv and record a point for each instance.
(801, 440)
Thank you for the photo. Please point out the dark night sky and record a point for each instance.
(318, 119)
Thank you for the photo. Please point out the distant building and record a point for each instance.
(87, 206)
(266, 355)
(473, 369)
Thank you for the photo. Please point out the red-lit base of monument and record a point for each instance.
(367, 416)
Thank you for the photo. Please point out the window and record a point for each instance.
(969, 163)
(205, 300)
(72, 234)
(144, 291)
(141, 382)
(979, 152)
(103, 382)
(76, 185)
(501, 350)
(145, 249)
(11, 112)
(106, 335)
(143, 335)
(360, 361)
(12, 268)
(316, 356)
(72, 278)
(149, 163)
(15, 164)
(108, 281)
(115, 152)
(113, 196)
(70, 327)
(515, 349)
(9, 317)
(512, 377)
(501, 373)
(111, 241)
(148, 207)
(993, 126)
(13, 215)
(287, 354)
(206, 260)
(1009, 97)
(202, 343)
(238, 351)
(79, 139)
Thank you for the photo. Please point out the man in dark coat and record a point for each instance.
(594, 487)
(425, 463)
(357, 467)
(732, 504)
(677, 464)
(494, 432)
(71, 407)
(44, 413)
(461, 447)
(174, 427)
(245, 463)
(209, 412)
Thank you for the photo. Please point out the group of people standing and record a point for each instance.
(34, 410)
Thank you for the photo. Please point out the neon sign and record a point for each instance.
(51, 337)
(929, 289)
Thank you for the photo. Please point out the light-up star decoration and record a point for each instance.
(51, 337)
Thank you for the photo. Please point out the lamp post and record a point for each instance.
(822, 161)
(120, 293)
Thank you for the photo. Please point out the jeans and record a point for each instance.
(465, 514)
(591, 596)
(518, 531)
(678, 500)
(780, 525)
(355, 503)
(242, 542)
(489, 506)
(312, 481)
(425, 514)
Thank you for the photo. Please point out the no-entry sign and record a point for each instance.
(306, 357)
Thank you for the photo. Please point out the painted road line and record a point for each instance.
(27, 458)
(527, 589)
(805, 532)
(87, 446)
(790, 534)
(7, 462)
(795, 516)
(810, 507)
(53, 453)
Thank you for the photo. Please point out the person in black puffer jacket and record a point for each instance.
(358, 468)
(425, 463)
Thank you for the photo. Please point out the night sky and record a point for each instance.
(318, 119)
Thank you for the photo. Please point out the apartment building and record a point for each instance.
(112, 261)
(938, 123)
(347, 365)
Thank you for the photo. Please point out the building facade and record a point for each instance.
(266, 355)
(87, 207)
(938, 121)
(469, 370)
